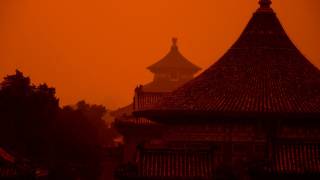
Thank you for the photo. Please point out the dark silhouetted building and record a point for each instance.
(170, 72)
(254, 114)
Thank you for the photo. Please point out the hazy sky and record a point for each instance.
(98, 50)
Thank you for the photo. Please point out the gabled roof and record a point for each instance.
(262, 73)
(174, 60)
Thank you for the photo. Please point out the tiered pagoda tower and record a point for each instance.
(254, 114)
(170, 72)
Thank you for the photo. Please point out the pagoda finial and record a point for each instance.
(265, 3)
(174, 43)
(265, 6)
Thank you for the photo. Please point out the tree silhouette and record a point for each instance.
(70, 141)
(81, 138)
(27, 112)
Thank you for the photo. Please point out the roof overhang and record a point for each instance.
(181, 116)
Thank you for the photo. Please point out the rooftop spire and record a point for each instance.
(174, 43)
(265, 3)
(265, 6)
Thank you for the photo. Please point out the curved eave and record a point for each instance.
(193, 70)
(178, 116)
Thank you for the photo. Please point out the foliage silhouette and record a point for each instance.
(69, 141)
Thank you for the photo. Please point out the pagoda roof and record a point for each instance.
(174, 60)
(263, 73)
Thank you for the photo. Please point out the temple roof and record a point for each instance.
(163, 163)
(295, 158)
(170, 163)
(174, 60)
(262, 73)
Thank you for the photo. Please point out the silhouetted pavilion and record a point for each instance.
(254, 114)
(170, 72)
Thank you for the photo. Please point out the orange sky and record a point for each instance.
(98, 50)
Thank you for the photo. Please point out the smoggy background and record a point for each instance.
(98, 50)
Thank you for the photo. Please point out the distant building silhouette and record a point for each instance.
(170, 72)
(254, 114)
